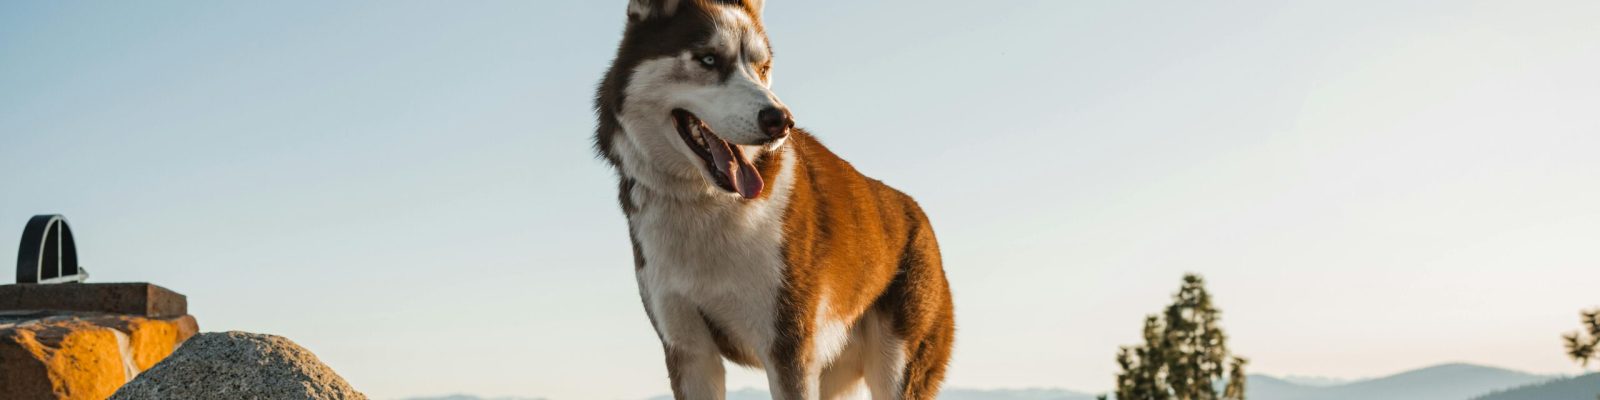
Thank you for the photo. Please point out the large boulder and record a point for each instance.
(239, 365)
(81, 355)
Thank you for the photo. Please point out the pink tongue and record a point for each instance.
(731, 162)
(749, 180)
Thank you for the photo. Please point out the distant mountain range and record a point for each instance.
(1312, 380)
(1583, 387)
(1440, 382)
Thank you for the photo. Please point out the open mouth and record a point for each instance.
(729, 168)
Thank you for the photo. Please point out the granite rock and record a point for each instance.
(239, 365)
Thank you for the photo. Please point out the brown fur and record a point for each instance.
(866, 245)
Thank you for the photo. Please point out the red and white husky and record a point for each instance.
(751, 241)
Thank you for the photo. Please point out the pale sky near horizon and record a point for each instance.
(407, 188)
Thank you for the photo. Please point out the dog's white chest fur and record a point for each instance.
(717, 256)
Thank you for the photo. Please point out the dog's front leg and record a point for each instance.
(694, 364)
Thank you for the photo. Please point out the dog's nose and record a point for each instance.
(775, 122)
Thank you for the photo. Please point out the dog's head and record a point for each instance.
(687, 101)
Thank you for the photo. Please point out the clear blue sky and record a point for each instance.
(407, 187)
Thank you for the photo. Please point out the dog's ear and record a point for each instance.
(755, 6)
(639, 10)
(752, 6)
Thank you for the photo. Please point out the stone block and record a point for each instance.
(134, 298)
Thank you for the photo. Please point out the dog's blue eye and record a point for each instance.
(708, 60)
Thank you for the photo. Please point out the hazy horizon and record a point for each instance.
(408, 189)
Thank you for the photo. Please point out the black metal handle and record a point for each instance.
(48, 254)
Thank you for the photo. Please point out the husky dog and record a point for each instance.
(751, 241)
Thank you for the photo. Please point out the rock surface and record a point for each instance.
(239, 365)
(81, 355)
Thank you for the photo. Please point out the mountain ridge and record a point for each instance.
(1449, 381)
(1582, 387)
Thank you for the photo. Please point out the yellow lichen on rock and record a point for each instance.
(70, 355)
(153, 339)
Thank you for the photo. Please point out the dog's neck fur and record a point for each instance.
(632, 164)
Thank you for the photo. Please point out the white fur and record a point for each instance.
(717, 255)
(885, 359)
(872, 360)
(649, 148)
(830, 334)
(734, 18)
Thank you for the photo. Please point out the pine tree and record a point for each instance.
(1183, 354)
(1236, 380)
(1581, 347)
